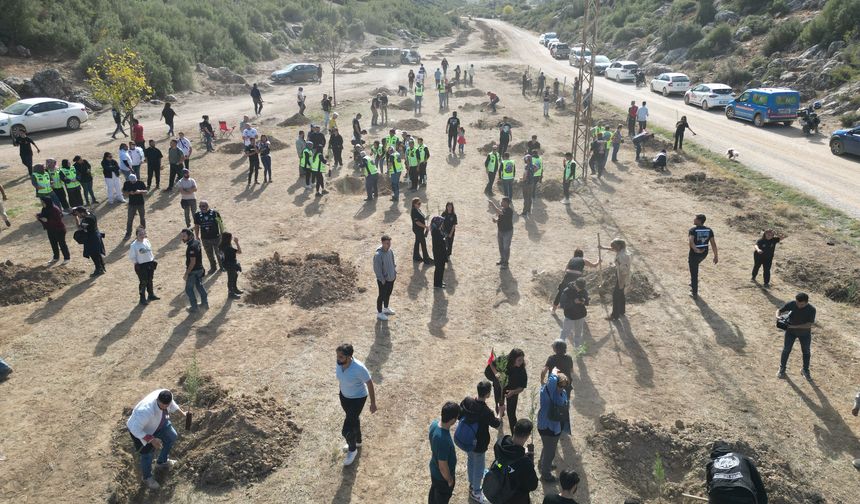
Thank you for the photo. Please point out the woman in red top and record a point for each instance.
(51, 218)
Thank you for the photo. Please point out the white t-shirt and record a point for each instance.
(186, 184)
(124, 161)
(184, 145)
(136, 156)
(248, 134)
(141, 252)
(300, 97)
(353, 381)
(642, 113)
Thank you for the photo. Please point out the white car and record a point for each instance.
(37, 114)
(550, 42)
(709, 95)
(578, 53)
(668, 83)
(546, 36)
(622, 70)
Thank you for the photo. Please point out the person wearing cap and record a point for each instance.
(732, 478)
(94, 247)
(140, 253)
(188, 196)
(134, 189)
(150, 429)
(371, 174)
(305, 163)
(700, 241)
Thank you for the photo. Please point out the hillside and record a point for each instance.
(810, 45)
(174, 35)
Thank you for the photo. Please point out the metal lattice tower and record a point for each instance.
(582, 117)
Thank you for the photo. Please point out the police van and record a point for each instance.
(387, 56)
(765, 105)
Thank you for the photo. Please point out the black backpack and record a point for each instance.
(498, 485)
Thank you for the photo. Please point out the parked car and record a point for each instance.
(577, 53)
(845, 141)
(560, 51)
(601, 63)
(709, 95)
(551, 42)
(388, 56)
(542, 40)
(38, 114)
(410, 56)
(668, 83)
(296, 72)
(765, 105)
(622, 70)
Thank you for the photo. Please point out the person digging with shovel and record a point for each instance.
(150, 429)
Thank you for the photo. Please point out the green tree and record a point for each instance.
(118, 78)
(331, 44)
(706, 12)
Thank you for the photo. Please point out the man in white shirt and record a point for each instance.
(150, 429)
(642, 117)
(135, 154)
(124, 161)
(300, 101)
(184, 145)
(249, 135)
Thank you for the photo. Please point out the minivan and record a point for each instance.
(765, 105)
(388, 56)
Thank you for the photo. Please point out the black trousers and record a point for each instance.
(308, 175)
(98, 262)
(253, 168)
(61, 194)
(232, 279)
(175, 173)
(439, 271)
(258, 107)
(145, 274)
(694, 260)
(679, 140)
(413, 178)
(449, 242)
(169, 127)
(491, 177)
(619, 302)
(351, 430)
(338, 160)
(760, 260)
(497, 386)
(452, 141)
(565, 186)
(320, 179)
(527, 196)
(511, 405)
(385, 289)
(153, 172)
(58, 244)
(420, 241)
(28, 162)
(788, 344)
(440, 492)
(503, 144)
(75, 197)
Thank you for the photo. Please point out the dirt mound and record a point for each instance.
(316, 280)
(349, 185)
(410, 125)
(22, 284)
(469, 92)
(755, 222)
(719, 189)
(471, 107)
(493, 124)
(636, 451)
(460, 41)
(406, 104)
(232, 148)
(234, 441)
(295, 120)
(836, 276)
(599, 283)
(383, 90)
(550, 190)
(516, 149)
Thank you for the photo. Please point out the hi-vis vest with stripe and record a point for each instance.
(370, 169)
(396, 163)
(508, 168)
(316, 163)
(537, 162)
(305, 161)
(412, 156)
(71, 176)
(43, 183)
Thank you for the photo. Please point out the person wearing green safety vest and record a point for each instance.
(318, 167)
(443, 95)
(412, 162)
(390, 142)
(492, 164)
(607, 146)
(371, 175)
(378, 152)
(537, 176)
(69, 176)
(57, 183)
(509, 171)
(568, 175)
(419, 97)
(42, 182)
(394, 171)
(423, 157)
(305, 163)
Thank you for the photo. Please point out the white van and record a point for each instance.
(388, 56)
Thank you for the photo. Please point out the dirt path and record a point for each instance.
(88, 352)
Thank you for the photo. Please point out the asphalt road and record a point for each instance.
(782, 153)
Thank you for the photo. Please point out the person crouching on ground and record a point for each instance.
(150, 429)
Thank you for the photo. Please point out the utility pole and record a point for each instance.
(582, 117)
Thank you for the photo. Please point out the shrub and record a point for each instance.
(779, 7)
(681, 35)
(717, 41)
(355, 31)
(782, 37)
(842, 74)
(706, 12)
(850, 119)
(732, 74)
(683, 7)
(749, 6)
(508, 10)
(837, 21)
(758, 24)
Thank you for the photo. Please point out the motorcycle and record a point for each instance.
(809, 120)
(640, 79)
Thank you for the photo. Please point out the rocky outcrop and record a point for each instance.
(50, 83)
(222, 74)
(7, 93)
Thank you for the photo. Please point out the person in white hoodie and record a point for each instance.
(150, 429)
(386, 272)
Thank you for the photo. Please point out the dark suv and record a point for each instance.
(296, 72)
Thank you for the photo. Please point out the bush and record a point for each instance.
(837, 21)
(782, 37)
(750, 6)
(355, 31)
(706, 12)
(842, 74)
(682, 7)
(758, 24)
(508, 10)
(732, 74)
(779, 7)
(681, 35)
(850, 119)
(717, 41)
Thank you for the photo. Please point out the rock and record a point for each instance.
(30, 90)
(806, 79)
(794, 5)
(50, 83)
(822, 81)
(776, 63)
(3, 49)
(84, 96)
(743, 33)
(788, 77)
(835, 46)
(16, 83)
(656, 68)
(727, 16)
(813, 52)
(8, 93)
(695, 177)
(22, 52)
(155, 101)
(170, 98)
(675, 55)
(679, 424)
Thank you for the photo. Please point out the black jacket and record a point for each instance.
(733, 474)
(476, 410)
(525, 478)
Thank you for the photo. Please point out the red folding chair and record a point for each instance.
(224, 131)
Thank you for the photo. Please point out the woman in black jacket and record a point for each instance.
(335, 142)
(91, 238)
(450, 227)
(420, 229)
(231, 264)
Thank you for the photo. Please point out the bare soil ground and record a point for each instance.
(89, 352)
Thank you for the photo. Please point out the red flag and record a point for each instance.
(492, 358)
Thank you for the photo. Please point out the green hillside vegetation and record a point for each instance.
(172, 35)
(691, 24)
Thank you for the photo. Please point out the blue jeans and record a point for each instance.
(167, 435)
(89, 195)
(395, 184)
(475, 467)
(615, 148)
(508, 188)
(195, 281)
(207, 139)
(418, 103)
(441, 101)
(267, 167)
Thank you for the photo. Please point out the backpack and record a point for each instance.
(498, 485)
(466, 434)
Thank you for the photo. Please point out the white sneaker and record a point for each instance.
(151, 484)
(350, 457)
(388, 311)
(65, 261)
(166, 465)
(52, 261)
(478, 496)
(381, 316)
(345, 447)
(567, 201)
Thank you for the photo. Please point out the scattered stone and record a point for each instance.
(743, 33)
(22, 52)
(727, 16)
(695, 177)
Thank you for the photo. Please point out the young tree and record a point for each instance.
(119, 78)
(331, 44)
